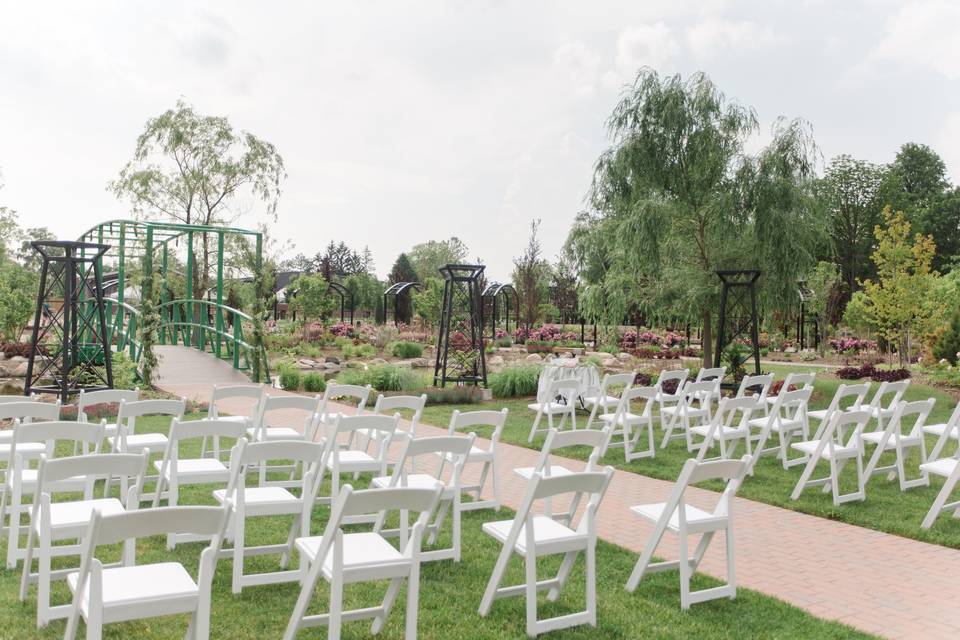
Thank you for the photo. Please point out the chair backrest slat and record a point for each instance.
(105, 396)
(27, 410)
(200, 521)
(186, 429)
(390, 499)
(594, 482)
(96, 465)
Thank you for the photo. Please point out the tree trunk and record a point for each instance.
(706, 340)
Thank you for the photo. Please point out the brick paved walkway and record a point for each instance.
(883, 584)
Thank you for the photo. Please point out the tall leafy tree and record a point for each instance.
(676, 197)
(403, 271)
(849, 194)
(428, 257)
(191, 168)
(531, 275)
(917, 184)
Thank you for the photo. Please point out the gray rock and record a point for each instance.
(378, 361)
(307, 363)
(533, 357)
(20, 371)
(623, 356)
(332, 360)
(420, 363)
(495, 361)
(597, 354)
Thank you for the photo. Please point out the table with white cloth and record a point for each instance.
(586, 375)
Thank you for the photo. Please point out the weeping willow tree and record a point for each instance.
(676, 197)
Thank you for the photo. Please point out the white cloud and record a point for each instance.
(645, 45)
(922, 34)
(713, 37)
(580, 64)
(948, 142)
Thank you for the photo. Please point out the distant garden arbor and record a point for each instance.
(460, 348)
(496, 307)
(739, 318)
(143, 246)
(400, 293)
(808, 327)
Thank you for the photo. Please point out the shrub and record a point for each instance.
(124, 371)
(11, 349)
(850, 345)
(314, 382)
(390, 377)
(946, 347)
(642, 379)
(673, 340)
(358, 351)
(628, 340)
(808, 356)
(290, 379)
(517, 381)
(777, 387)
(461, 394)
(594, 360)
(503, 342)
(407, 350)
(849, 373)
(670, 386)
(890, 375)
(608, 348)
(342, 330)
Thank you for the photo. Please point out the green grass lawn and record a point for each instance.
(885, 509)
(449, 597)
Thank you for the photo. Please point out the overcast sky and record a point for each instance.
(406, 121)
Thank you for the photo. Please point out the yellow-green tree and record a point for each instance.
(899, 299)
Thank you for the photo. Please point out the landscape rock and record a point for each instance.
(307, 363)
(20, 371)
(378, 361)
(533, 357)
(332, 360)
(420, 363)
(623, 356)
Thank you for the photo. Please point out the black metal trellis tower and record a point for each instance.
(461, 327)
(70, 348)
(738, 312)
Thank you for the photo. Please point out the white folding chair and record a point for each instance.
(458, 447)
(730, 424)
(685, 520)
(25, 409)
(601, 400)
(256, 502)
(388, 405)
(338, 460)
(712, 374)
(695, 407)
(676, 378)
(275, 416)
(531, 537)
(127, 440)
(344, 558)
(786, 418)
(629, 423)
(246, 396)
(848, 397)
(23, 412)
(944, 431)
(132, 592)
(113, 397)
(893, 438)
(836, 451)
(947, 467)
(487, 458)
(174, 472)
(21, 479)
(560, 400)
(892, 393)
(596, 439)
(792, 382)
(757, 386)
(60, 521)
(336, 393)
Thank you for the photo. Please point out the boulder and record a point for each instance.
(356, 364)
(597, 354)
(495, 361)
(420, 363)
(307, 363)
(378, 361)
(20, 371)
(533, 357)
(623, 356)
(332, 360)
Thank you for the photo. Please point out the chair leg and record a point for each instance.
(536, 423)
(336, 607)
(238, 535)
(13, 539)
(940, 500)
(530, 564)
(804, 477)
(493, 584)
(413, 602)
(591, 558)
(684, 565)
(385, 607)
(496, 483)
(566, 566)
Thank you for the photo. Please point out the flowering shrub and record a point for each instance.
(673, 340)
(890, 375)
(852, 345)
(642, 379)
(777, 386)
(648, 337)
(520, 335)
(314, 330)
(500, 333)
(342, 330)
(628, 340)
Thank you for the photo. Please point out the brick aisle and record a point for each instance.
(883, 584)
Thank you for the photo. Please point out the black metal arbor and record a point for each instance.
(492, 306)
(69, 348)
(806, 327)
(346, 300)
(400, 292)
(738, 312)
(461, 327)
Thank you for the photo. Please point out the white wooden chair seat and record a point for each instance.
(416, 481)
(725, 432)
(550, 407)
(895, 439)
(138, 442)
(625, 418)
(275, 433)
(552, 470)
(71, 519)
(933, 430)
(942, 467)
(164, 588)
(195, 470)
(476, 455)
(265, 501)
(27, 450)
(353, 461)
(360, 552)
(603, 400)
(777, 426)
(550, 536)
(653, 513)
(809, 447)
(819, 414)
